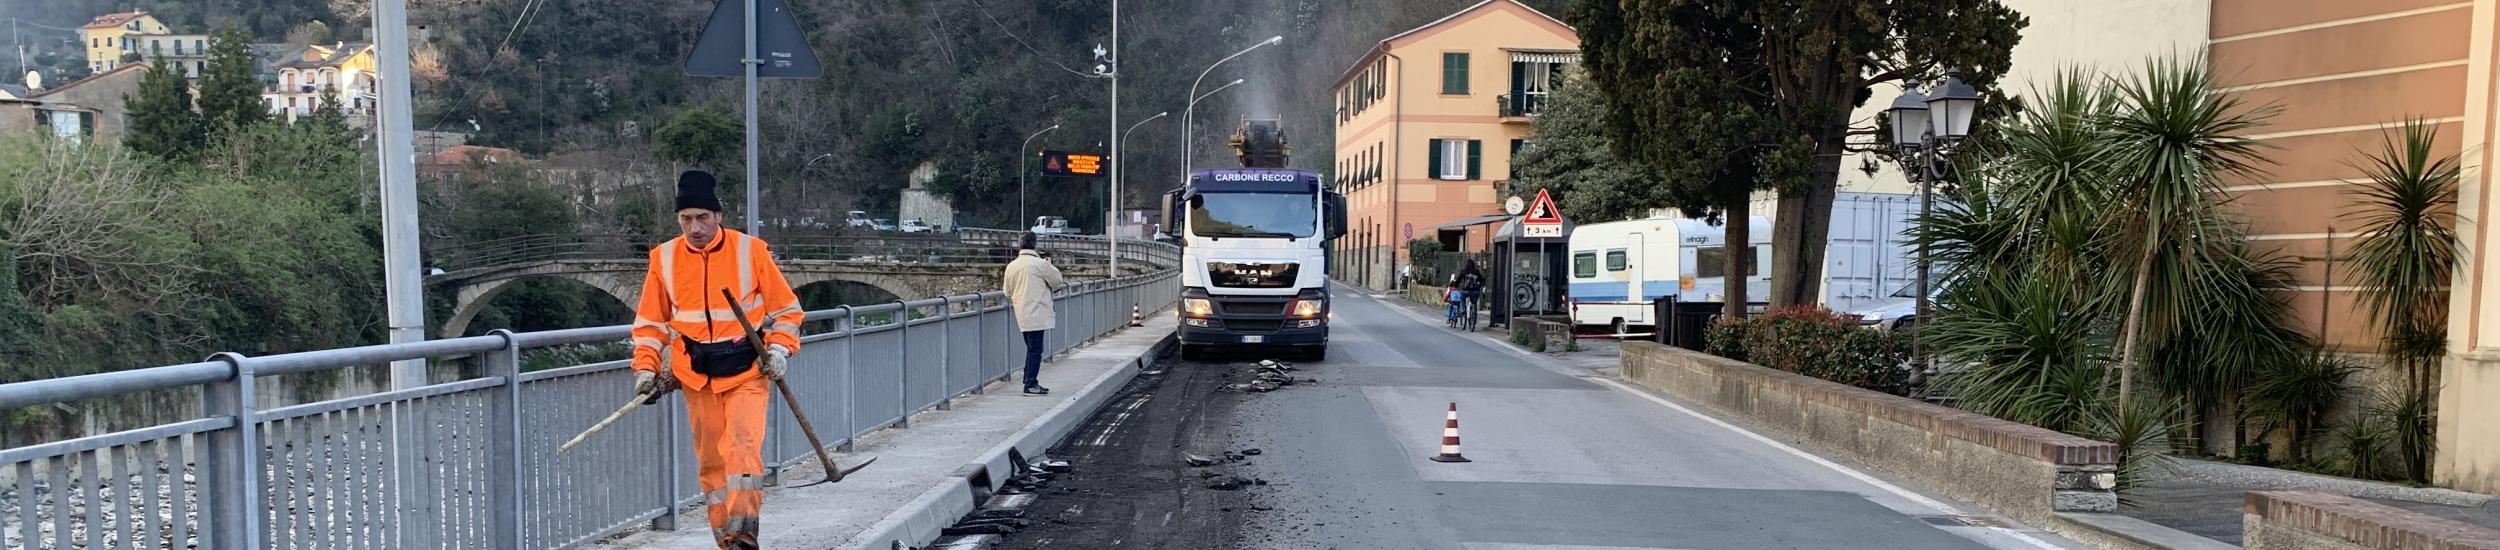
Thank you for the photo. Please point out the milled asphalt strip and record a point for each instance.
(1852, 473)
(922, 520)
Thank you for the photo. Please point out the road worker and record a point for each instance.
(686, 338)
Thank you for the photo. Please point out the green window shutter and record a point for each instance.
(1475, 159)
(1432, 162)
(1515, 145)
(1454, 73)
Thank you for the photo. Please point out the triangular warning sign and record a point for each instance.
(1051, 164)
(1543, 210)
(778, 42)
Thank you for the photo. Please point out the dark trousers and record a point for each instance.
(1032, 358)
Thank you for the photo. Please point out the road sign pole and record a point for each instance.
(395, 137)
(754, 218)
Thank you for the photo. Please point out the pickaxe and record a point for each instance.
(833, 471)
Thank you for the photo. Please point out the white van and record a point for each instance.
(1619, 268)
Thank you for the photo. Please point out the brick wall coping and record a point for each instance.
(2365, 523)
(2005, 435)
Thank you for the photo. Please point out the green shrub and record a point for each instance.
(1725, 337)
(1816, 342)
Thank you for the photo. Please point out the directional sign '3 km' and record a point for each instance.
(1069, 163)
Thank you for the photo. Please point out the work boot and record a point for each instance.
(1036, 389)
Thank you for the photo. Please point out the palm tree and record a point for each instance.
(2406, 253)
(2174, 141)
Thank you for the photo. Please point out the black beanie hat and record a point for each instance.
(695, 190)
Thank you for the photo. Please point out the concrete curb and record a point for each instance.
(920, 521)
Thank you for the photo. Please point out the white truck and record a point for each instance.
(1619, 268)
(1254, 251)
(1052, 225)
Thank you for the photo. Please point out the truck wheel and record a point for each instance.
(1191, 353)
(1315, 353)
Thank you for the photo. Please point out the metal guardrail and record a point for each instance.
(471, 463)
(967, 246)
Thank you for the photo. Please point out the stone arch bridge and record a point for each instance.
(908, 267)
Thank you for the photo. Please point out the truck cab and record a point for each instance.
(1254, 257)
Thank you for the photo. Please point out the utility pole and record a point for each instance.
(402, 276)
(755, 225)
(1111, 220)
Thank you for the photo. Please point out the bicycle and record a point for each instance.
(1462, 312)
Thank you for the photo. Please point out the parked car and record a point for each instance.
(914, 225)
(883, 224)
(858, 219)
(1900, 310)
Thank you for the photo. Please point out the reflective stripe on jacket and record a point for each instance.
(1029, 282)
(681, 297)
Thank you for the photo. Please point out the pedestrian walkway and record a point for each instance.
(2205, 498)
(913, 462)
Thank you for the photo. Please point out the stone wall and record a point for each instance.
(2024, 472)
(2299, 520)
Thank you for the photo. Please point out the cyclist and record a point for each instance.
(1470, 285)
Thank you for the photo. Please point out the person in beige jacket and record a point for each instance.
(1029, 283)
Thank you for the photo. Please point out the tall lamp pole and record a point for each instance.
(1115, 168)
(1926, 127)
(1020, 170)
(1187, 162)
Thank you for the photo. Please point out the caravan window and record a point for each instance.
(1711, 261)
(1584, 265)
(1616, 260)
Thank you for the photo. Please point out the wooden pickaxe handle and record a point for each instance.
(640, 399)
(833, 472)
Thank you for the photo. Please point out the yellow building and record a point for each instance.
(112, 36)
(1426, 124)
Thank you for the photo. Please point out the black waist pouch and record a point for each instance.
(720, 358)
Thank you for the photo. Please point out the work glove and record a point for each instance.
(648, 382)
(776, 361)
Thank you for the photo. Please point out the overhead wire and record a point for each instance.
(1002, 28)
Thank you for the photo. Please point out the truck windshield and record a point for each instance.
(1253, 215)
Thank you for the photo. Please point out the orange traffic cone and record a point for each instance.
(1449, 439)
(1136, 316)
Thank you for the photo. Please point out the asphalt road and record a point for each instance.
(1561, 459)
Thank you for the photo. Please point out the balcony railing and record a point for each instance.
(1520, 105)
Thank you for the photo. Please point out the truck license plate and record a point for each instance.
(1253, 339)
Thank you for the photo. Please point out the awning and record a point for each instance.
(1544, 57)
(1475, 221)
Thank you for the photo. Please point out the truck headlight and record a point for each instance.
(1309, 307)
(1198, 307)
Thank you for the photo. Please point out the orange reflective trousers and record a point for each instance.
(729, 444)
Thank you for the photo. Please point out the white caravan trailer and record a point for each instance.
(1619, 268)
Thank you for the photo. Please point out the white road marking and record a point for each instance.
(1114, 426)
(1896, 490)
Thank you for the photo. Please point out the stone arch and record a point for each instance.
(475, 295)
(897, 286)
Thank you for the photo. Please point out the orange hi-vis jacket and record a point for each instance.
(681, 297)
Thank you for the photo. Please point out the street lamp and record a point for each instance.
(1120, 177)
(1191, 109)
(803, 203)
(1020, 170)
(1193, 101)
(1925, 128)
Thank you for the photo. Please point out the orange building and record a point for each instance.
(1427, 122)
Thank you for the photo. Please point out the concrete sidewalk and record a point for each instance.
(922, 479)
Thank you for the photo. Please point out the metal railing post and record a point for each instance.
(902, 362)
(849, 326)
(946, 339)
(503, 482)
(980, 357)
(230, 492)
(670, 475)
